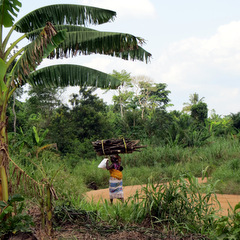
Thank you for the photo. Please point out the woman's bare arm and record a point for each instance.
(108, 167)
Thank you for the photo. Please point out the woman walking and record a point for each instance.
(115, 181)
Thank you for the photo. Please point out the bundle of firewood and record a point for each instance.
(115, 146)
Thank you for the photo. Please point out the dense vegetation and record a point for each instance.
(53, 141)
(47, 158)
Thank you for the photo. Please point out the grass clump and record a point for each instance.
(229, 175)
(228, 227)
(181, 206)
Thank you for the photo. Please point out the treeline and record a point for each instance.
(179, 144)
(43, 120)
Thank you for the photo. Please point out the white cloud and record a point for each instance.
(210, 67)
(220, 50)
(132, 8)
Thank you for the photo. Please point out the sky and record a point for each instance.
(195, 47)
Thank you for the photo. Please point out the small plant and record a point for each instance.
(12, 217)
(228, 227)
(195, 137)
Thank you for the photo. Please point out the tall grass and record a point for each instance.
(182, 206)
(216, 151)
(229, 175)
(156, 163)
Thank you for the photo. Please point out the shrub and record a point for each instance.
(17, 222)
(228, 227)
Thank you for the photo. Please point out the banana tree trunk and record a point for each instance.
(4, 162)
(49, 212)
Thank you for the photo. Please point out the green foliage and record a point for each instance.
(199, 112)
(193, 100)
(186, 133)
(79, 150)
(13, 219)
(91, 174)
(40, 106)
(155, 164)
(220, 126)
(180, 205)
(124, 95)
(229, 175)
(9, 11)
(195, 137)
(228, 227)
(236, 120)
(74, 128)
(159, 96)
(16, 112)
(31, 142)
(59, 41)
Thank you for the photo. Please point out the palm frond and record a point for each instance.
(71, 75)
(68, 28)
(8, 11)
(134, 54)
(63, 14)
(125, 46)
(36, 51)
(82, 40)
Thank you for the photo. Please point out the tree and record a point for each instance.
(193, 99)
(40, 105)
(236, 120)
(85, 121)
(123, 97)
(199, 112)
(150, 95)
(54, 31)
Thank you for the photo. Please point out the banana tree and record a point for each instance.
(53, 32)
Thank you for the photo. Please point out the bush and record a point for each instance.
(17, 222)
(228, 227)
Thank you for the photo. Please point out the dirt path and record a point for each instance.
(102, 194)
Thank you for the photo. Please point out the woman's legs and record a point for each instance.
(115, 189)
(121, 199)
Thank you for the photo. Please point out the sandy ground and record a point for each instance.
(103, 194)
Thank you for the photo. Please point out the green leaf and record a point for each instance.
(3, 70)
(3, 204)
(81, 40)
(43, 136)
(8, 9)
(5, 211)
(71, 75)
(64, 14)
(237, 207)
(123, 45)
(15, 198)
(55, 41)
(36, 137)
(68, 28)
